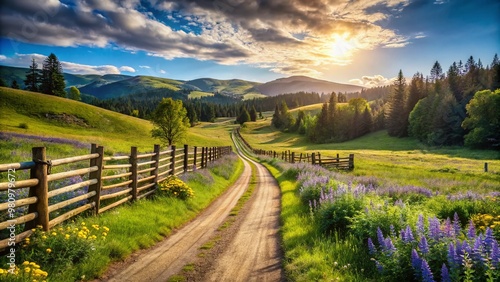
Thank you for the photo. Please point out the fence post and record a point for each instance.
(186, 150)
(485, 167)
(338, 158)
(172, 159)
(203, 157)
(319, 158)
(313, 158)
(351, 161)
(133, 170)
(156, 158)
(96, 175)
(194, 158)
(41, 207)
(293, 157)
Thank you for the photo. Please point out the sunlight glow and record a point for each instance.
(341, 48)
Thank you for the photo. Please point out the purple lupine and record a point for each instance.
(407, 235)
(495, 254)
(456, 224)
(448, 228)
(426, 272)
(392, 230)
(420, 225)
(453, 258)
(445, 275)
(380, 238)
(416, 262)
(423, 246)
(379, 266)
(488, 239)
(389, 246)
(465, 248)
(471, 233)
(371, 247)
(477, 248)
(434, 231)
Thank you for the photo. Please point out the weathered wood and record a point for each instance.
(156, 165)
(146, 194)
(116, 194)
(71, 173)
(116, 158)
(70, 214)
(163, 173)
(97, 175)
(63, 204)
(146, 170)
(313, 158)
(172, 160)
(41, 191)
(203, 157)
(106, 187)
(146, 163)
(145, 179)
(147, 186)
(117, 166)
(351, 161)
(19, 237)
(293, 158)
(194, 158)
(133, 170)
(19, 220)
(19, 184)
(20, 166)
(186, 155)
(167, 152)
(71, 187)
(108, 177)
(18, 203)
(143, 156)
(74, 159)
(115, 204)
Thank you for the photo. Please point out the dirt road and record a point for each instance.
(252, 255)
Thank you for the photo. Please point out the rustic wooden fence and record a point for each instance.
(346, 163)
(108, 181)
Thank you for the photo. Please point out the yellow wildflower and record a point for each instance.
(26, 263)
(48, 250)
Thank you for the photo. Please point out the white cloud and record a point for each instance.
(127, 69)
(3, 57)
(372, 81)
(145, 67)
(163, 72)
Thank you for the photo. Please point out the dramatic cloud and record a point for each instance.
(372, 81)
(276, 34)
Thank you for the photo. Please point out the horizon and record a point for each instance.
(362, 44)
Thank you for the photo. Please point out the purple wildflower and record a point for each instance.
(495, 254)
(379, 266)
(423, 246)
(426, 272)
(488, 239)
(380, 238)
(392, 230)
(448, 228)
(471, 233)
(371, 247)
(452, 256)
(416, 262)
(389, 247)
(456, 224)
(407, 235)
(434, 231)
(420, 225)
(445, 275)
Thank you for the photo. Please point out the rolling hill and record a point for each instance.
(295, 84)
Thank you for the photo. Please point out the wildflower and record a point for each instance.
(48, 250)
(471, 233)
(434, 231)
(389, 246)
(67, 236)
(423, 246)
(416, 262)
(420, 225)
(445, 275)
(371, 246)
(426, 272)
(26, 263)
(456, 224)
(380, 238)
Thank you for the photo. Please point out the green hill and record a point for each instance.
(52, 116)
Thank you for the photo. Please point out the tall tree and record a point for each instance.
(483, 120)
(495, 73)
(33, 77)
(253, 114)
(74, 93)
(243, 117)
(14, 84)
(396, 125)
(332, 109)
(52, 77)
(170, 121)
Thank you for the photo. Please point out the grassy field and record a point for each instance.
(49, 116)
(388, 160)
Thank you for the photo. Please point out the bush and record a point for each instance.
(23, 125)
(176, 188)
(27, 271)
(337, 215)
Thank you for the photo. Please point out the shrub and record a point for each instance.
(23, 125)
(61, 246)
(27, 271)
(223, 166)
(176, 188)
(337, 215)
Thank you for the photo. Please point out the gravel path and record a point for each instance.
(252, 252)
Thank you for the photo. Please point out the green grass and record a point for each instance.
(116, 132)
(199, 94)
(142, 224)
(389, 160)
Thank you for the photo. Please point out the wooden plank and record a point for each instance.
(145, 179)
(108, 177)
(116, 185)
(19, 238)
(146, 194)
(97, 175)
(71, 187)
(146, 163)
(116, 166)
(146, 170)
(146, 187)
(74, 159)
(18, 220)
(133, 169)
(70, 214)
(18, 203)
(115, 204)
(116, 194)
(66, 203)
(20, 166)
(41, 191)
(116, 158)
(163, 173)
(147, 155)
(4, 186)
(66, 174)
(165, 159)
(165, 152)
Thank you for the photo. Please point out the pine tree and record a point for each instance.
(396, 125)
(14, 84)
(495, 73)
(33, 77)
(253, 114)
(2, 83)
(455, 82)
(52, 77)
(332, 108)
(277, 121)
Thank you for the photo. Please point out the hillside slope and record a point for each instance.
(295, 84)
(52, 116)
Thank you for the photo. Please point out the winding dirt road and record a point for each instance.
(252, 255)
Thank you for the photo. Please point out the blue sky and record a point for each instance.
(359, 42)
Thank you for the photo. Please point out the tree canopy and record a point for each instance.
(170, 121)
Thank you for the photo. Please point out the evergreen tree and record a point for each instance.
(332, 109)
(33, 77)
(277, 120)
(253, 114)
(396, 125)
(14, 84)
(495, 73)
(321, 128)
(52, 77)
(2, 83)
(455, 82)
(243, 117)
(366, 122)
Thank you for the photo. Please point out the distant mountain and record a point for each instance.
(116, 85)
(295, 84)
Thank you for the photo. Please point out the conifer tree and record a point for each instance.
(253, 114)
(33, 77)
(396, 124)
(14, 84)
(52, 77)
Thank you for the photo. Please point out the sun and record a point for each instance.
(341, 47)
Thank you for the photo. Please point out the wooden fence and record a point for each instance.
(346, 163)
(110, 182)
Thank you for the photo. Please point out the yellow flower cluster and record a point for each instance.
(174, 187)
(27, 271)
(481, 221)
(69, 232)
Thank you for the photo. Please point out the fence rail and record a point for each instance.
(103, 183)
(345, 163)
